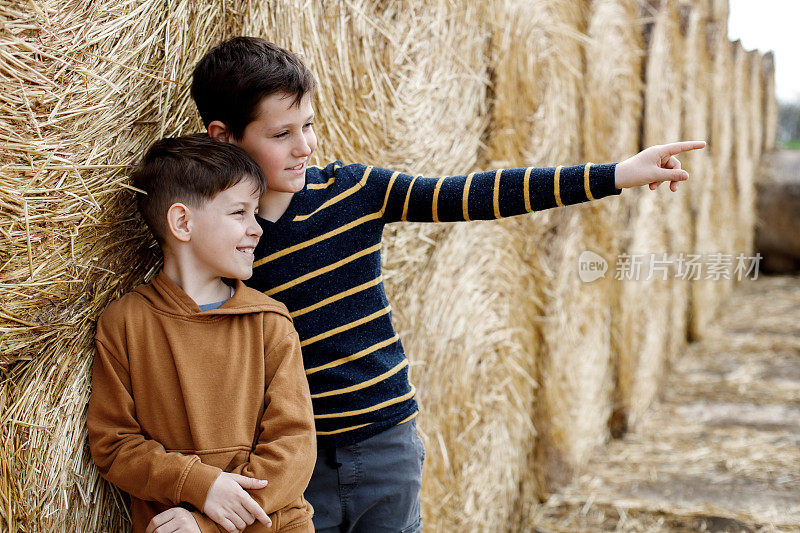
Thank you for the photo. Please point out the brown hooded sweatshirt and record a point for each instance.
(180, 395)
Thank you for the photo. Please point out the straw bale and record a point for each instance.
(536, 120)
(93, 85)
(385, 99)
(720, 10)
(756, 109)
(663, 122)
(643, 307)
(721, 141)
(612, 103)
(474, 376)
(743, 143)
(697, 107)
(770, 102)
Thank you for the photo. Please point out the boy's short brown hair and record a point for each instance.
(191, 169)
(232, 78)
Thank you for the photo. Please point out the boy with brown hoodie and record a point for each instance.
(200, 408)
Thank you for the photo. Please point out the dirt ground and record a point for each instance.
(720, 450)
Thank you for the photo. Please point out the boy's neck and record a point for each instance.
(202, 289)
(273, 204)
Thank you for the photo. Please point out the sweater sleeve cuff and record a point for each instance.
(197, 483)
(601, 180)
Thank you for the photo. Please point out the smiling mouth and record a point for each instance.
(298, 167)
(248, 250)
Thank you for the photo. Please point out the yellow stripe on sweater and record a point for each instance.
(370, 409)
(526, 189)
(332, 233)
(408, 418)
(351, 428)
(358, 355)
(363, 384)
(337, 297)
(465, 198)
(408, 197)
(556, 187)
(436, 200)
(339, 197)
(350, 325)
(321, 185)
(323, 270)
(496, 193)
(586, 181)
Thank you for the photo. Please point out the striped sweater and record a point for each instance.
(322, 259)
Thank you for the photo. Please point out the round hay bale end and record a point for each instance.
(89, 87)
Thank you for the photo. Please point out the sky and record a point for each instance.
(771, 25)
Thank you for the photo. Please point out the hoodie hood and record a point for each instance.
(166, 296)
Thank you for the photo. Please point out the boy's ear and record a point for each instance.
(178, 221)
(219, 131)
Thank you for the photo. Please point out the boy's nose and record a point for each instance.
(303, 148)
(254, 228)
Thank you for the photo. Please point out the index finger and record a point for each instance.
(257, 511)
(684, 146)
(159, 520)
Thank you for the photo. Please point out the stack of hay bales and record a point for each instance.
(86, 88)
(518, 364)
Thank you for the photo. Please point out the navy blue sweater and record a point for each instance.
(322, 260)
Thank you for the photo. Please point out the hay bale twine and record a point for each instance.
(770, 102)
(90, 86)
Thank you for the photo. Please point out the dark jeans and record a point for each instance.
(370, 486)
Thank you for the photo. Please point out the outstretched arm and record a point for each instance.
(508, 192)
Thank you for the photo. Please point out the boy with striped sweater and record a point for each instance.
(320, 256)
